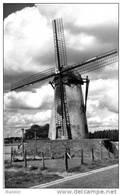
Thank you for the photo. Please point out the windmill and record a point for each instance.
(68, 119)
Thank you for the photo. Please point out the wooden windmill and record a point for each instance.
(68, 119)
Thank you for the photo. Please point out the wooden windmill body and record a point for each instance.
(76, 112)
(68, 120)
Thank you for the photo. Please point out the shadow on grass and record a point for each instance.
(16, 166)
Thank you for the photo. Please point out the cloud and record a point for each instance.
(110, 71)
(102, 109)
(86, 22)
(13, 122)
(27, 40)
(80, 42)
(41, 98)
(39, 117)
(102, 87)
(108, 122)
(81, 14)
(110, 105)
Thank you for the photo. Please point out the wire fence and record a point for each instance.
(60, 154)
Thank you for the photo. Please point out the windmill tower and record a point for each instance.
(68, 119)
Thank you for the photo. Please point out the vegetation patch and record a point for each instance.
(85, 167)
(17, 176)
(22, 179)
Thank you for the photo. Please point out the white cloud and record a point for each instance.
(103, 120)
(81, 14)
(104, 86)
(97, 14)
(14, 121)
(103, 104)
(40, 99)
(104, 94)
(80, 42)
(27, 38)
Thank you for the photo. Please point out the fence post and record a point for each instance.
(109, 154)
(35, 135)
(25, 158)
(23, 143)
(52, 155)
(82, 156)
(101, 153)
(92, 154)
(11, 154)
(66, 160)
(43, 163)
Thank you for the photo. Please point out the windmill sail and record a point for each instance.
(95, 63)
(89, 65)
(59, 44)
(62, 120)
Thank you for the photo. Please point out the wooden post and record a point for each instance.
(81, 156)
(43, 163)
(66, 160)
(51, 152)
(52, 156)
(35, 145)
(101, 153)
(23, 143)
(92, 154)
(35, 142)
(109, 156)
(11, 154)
(25, 158)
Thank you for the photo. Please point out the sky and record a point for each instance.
(90, 30)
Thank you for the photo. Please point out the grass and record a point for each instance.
(23, 179)
(16, 176)
(93, 165)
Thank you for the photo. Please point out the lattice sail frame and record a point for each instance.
(59, 44)
(86, 66)
(63, 127)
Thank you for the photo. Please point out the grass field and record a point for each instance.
(24, 179)
(16, 176)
